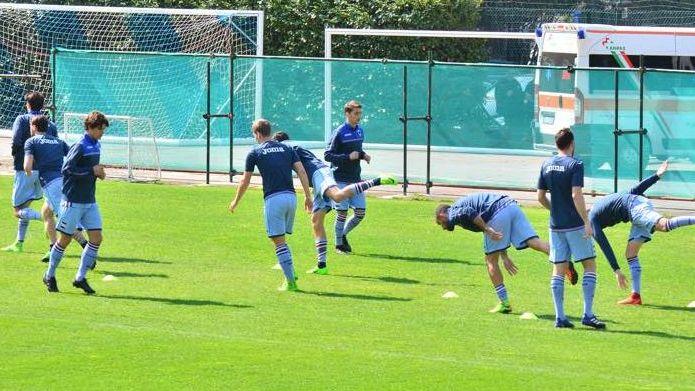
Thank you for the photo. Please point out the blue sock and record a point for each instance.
(501, 292)
(29, 214)
(321, 250)
(22, 227)
(361, 187)
(588, 287)
(56, 256)
(354, 221)
(285, 260)
(89, 255)
(557, 287)
(341, 216)
(636, 272)
(680, 221)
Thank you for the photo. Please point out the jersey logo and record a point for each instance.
(554, 168)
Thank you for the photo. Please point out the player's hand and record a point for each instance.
(494, 235)
(588, 231)
(367, 158)
(308, 204)
(662, 169)
(354, 155)
(622, 280)
(99, 171)
(510, 266)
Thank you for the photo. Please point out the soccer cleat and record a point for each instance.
(322, 271)
(288, 286)
(16, 247)
(563, 324)
(46, 257)
(503, 307)
(82, 284)
(572, 274)
(93, 265)
(633, 299)
(346, 244)
(388, 179)
(51, 284)
(593, 322)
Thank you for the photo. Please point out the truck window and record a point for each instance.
(557, 80)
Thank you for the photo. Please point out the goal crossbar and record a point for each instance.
(132, 10)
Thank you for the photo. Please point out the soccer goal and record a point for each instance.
(130, 145)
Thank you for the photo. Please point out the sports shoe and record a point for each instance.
(82, 284)
(633, 299)
(51, 284)
(572, 274)
(93, 265)
(16, 247)
(288, 286)
(46, 257)
(593, 322)
(388, 179)
(347, 244)
(563, 324)
(503, 307)
(322, 271)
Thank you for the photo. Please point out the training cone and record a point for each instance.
(692, 304)
(450, 295)
(528, 316)
(109, 277)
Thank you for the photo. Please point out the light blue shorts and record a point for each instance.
(358, 201)
(53, 192)
(26, 188)
(278, 210)
(643, 219)
(322, 180)
(570, 246)
(515, 229)
(73, 215)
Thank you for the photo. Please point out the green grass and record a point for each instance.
(195, 305)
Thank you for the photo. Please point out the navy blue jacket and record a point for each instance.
(345, 140)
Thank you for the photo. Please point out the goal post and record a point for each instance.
(331, 32)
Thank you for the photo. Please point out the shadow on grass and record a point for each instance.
(354, 296)
(668, 307)
(417, 259)
(131, 260)
(132, 274)
(164, 300)
(395, 280)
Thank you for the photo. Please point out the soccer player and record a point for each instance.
(324, 188)
(503, 224)
(46, 153)
(275, 162)
(26, 188)
(345, 152)
(634, 207)
(79, 206)
(570, 229)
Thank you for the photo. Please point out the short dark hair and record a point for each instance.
(441, 208)
(262, 127)
(563, 138)
(41, 123)
(94, 120)
(281, 136)
(35, 100)
(352, 105)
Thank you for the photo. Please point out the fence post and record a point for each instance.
(428, 118)
(231, 112)
(404, 119)
(207, 128)
(641, 115)
(616, 133)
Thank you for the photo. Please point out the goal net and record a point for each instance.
(130, 145)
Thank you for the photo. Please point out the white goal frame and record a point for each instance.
(129, 140)
(329, 32)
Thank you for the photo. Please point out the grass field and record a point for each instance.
(195, 305)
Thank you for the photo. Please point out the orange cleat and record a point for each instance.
(571, 274)
(633, 299)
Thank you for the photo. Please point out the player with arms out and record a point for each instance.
(503, 224)
(326, 189)
(634, 207)
(79, 206)
(275, 161)
(570, 229)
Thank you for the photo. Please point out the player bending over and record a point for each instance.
(325, 189)
(79, 206)
(503, 224)
(634, 207)
(275, 162)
